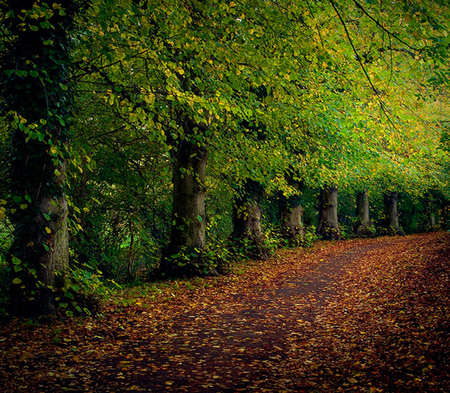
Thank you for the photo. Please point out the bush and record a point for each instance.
(84, 291)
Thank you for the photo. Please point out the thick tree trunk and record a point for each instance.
(430, 211)
(183, 256)
(247, 232)
(328, 227)
(35, 91)
(292, 228)
(362, 227)
(433, 225)
(391, 225)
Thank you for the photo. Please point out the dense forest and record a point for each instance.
(149, 139)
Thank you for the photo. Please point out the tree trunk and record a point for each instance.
(292, 228)
(430, 211)
(433, 222)
(183, 256)
(328, 227)
(362, 227)
(392, 225)
(247, 232)
(35, 91)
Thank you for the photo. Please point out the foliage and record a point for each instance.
(371, 314)
(84, 292)
(278, 93)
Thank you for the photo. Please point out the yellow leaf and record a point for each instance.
(48, 230)
(2, 202)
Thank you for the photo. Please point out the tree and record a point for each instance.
(328, 218)
(391, 223)
(363, 224)
(37, 101)
(291, 211)
(247, 215)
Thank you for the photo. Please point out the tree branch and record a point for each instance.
(383, 28)
(358, 59)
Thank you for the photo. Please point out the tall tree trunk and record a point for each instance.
(362, 227)
(292, 228)
(247, 232)
(328, 227)
(392, 225)
(430, 211)
(35, 63)
(183, 256)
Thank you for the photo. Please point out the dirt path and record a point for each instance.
(315, 320)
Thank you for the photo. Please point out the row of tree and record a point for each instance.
(123, 120)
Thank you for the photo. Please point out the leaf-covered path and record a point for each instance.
(360, 316)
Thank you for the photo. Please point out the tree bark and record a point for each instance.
(430, 211)
(363, 225)
(35, 90)
(183, 256)
(391, 225)
(328, 227)
(247, 231)
(292, 228)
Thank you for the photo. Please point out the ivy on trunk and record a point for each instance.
(37, 101)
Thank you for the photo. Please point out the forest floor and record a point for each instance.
(366, 315)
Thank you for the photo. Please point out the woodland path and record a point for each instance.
(361, 316)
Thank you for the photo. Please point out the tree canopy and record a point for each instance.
(162, 113)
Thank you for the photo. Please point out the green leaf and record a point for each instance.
(69, 295)
(86, 310)
(17, 281)
(28, 198)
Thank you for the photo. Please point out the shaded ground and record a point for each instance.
(361, 316)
